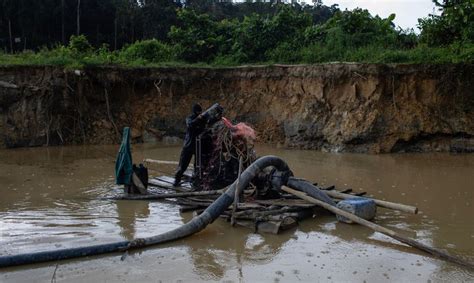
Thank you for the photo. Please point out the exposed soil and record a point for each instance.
(333, 107)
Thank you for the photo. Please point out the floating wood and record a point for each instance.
(188, 202)
(266, 212)
(249, 205)
(162, 162)
(166, 196)
(420, 246)
(203, 198)
(298, 213)
(346, 191)
(167, 183)
(285, 202)
(170, 180)
(381, 203)
(276, 217)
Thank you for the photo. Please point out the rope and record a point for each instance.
(226, 148)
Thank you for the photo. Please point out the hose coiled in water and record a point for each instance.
(195, 225)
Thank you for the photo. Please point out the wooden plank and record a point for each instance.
(159, 182)
(285, 202)
(170, 195)
(345, 194)
(381, 203)
(188, 173)
(162, 162)
(249, 205)
(433, 251)
(165, 185)
(170, 180)
(346, 191)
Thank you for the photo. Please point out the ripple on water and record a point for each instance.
(63, 208)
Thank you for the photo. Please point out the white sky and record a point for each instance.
(407, 11)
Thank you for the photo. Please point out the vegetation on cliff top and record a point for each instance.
(279, 33)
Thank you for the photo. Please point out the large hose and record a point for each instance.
(195, 225)
(309, 189)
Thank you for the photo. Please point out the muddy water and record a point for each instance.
(50, 198)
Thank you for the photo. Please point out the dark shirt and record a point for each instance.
(194, 127)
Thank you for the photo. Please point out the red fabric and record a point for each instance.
(240, 131)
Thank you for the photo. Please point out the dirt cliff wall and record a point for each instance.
(334, 107)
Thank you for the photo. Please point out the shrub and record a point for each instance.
(226, 60)
(79, 45)
(149, 51)
(284, 53)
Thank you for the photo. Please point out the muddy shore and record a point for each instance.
(332, 107)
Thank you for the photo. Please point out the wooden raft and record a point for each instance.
(266, 216)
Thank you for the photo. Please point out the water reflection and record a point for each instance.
(52, 196)
(128, 215)
(220, 245)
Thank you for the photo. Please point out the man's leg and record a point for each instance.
(184, 160)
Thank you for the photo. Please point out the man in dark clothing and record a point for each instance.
(195, 124)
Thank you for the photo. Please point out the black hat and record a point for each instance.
(197, 108)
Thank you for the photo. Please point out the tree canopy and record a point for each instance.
(216, 32)
(116, 22)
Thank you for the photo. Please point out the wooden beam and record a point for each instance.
(166, 196)
(164, 162)
(381, 203)
(420, 246)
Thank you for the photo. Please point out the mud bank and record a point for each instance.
(333, 107)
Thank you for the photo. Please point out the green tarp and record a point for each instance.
(124, 165)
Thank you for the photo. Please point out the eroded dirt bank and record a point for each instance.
(335, 107)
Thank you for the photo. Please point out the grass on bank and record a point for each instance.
(149, 53)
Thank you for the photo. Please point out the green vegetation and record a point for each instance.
(275, 34)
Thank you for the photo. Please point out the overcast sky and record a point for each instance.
(407, 11)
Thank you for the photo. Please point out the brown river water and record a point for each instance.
(52, 198)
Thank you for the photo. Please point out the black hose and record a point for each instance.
(195, 225)
(21, 259)
(309, 189)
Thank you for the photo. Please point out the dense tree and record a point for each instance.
(353, 29)
(196, 37)
(258, 34)
(225, 32)
(49, 22)
(455, 24)
(157, 17)
(119, 22)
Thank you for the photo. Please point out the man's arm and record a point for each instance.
(191, 123)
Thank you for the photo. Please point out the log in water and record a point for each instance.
(51, 198)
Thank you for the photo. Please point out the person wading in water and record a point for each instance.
(195, 124)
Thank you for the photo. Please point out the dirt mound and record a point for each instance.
(334, 107)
